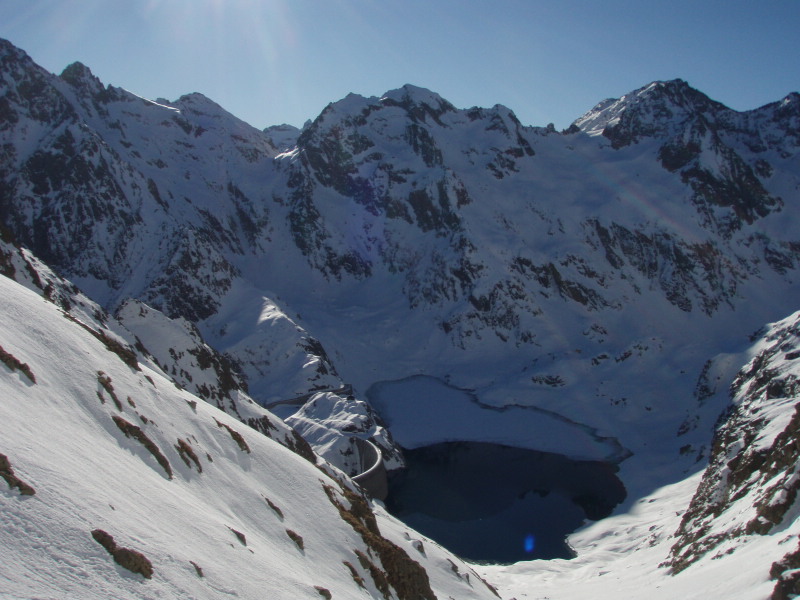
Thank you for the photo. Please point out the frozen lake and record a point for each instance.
(499, 504)
(423, 410)
(485, 482)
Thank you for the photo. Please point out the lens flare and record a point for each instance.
(530, 543)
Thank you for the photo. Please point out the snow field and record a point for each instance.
(60, 438)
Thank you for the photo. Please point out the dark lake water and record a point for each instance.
(492, 503)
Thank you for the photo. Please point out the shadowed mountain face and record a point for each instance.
(589, 273)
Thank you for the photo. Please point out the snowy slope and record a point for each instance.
(624, 556)
(215, 507)
(731, 531)
(178, 352)
(750, 486)
(60, 438)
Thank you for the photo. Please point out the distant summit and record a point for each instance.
(655, 110)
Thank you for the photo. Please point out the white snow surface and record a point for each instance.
(619, 557)
(624, 556)
(422, 411)
(60, 438)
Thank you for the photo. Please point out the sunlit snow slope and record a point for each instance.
(214, 508)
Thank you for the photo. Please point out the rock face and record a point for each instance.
(400, 235)
(752, 480)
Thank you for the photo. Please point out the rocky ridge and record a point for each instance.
(750, 486)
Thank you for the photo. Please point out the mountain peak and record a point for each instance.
(7, 49)
(198, 101)
(418, 103)
(654, 110)
(14, 62)
(80, 77)
(283, 137)
(415, 94)
(791, 98)
(207, 110)
(789, 105)
(679, 93)
(411, 95)
(677, 84)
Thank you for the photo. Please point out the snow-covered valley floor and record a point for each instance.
(620, 557)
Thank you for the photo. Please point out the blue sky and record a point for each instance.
(276, 61)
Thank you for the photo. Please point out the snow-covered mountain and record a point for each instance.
(585, 292)
(120, 484)
(730, 531)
